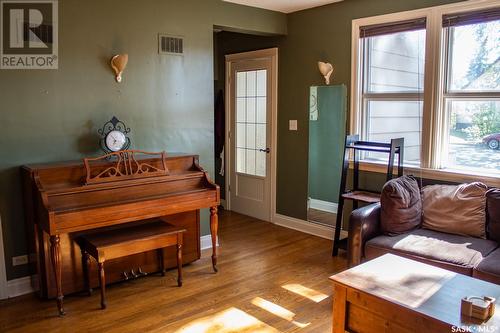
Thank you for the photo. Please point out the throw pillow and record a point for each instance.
(493, 208)
(401, 206)
(455, 209)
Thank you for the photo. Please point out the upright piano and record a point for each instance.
(64, 200)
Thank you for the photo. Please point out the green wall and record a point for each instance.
(326, 143)
(322, 33)
(166, 100)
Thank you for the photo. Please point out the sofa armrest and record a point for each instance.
(364, 224)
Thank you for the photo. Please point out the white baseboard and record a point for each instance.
(306, 226)
(20, 286)
(206, 242)
(325, 206)
(303, 226)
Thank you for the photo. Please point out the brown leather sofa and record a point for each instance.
(471, 256)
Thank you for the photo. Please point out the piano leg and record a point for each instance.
(55, 253)
(214, 226)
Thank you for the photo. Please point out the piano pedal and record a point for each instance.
(141, 273)
(133, 274)
(125, 276)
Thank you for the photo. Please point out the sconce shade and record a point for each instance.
(118, 64)
(326, 69)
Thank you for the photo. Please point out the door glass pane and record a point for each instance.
(241, 137)
(396, 119)
(251, 101)
(241, 109)
(475, 57)
(261, 110)
(251, 83)
(241, 84)
(262, 83)
(240, 160)
(251, 119)
(261, 164)
(251, 161)
(260, 136)
(474, 136)
(250, 144)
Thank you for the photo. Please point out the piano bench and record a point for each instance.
(117, 243)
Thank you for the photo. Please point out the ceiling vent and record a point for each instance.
(170, 45)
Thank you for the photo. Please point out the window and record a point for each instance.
(435, 83)
(472, 93)
(393, 79)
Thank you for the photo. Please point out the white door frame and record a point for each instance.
(271, 53)
(3, 275)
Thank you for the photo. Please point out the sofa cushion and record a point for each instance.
(401, 206)
(493, 209)
(454, 209)
(489, 268)
(454, 252)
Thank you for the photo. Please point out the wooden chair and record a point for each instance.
(112, 244)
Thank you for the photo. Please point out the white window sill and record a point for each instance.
(456, 176)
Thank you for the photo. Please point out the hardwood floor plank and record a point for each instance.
(256, 260)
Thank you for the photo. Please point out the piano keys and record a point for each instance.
(61, 203)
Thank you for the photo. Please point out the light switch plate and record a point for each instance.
(20, 260)
(292, 125)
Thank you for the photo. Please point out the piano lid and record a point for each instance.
(71, 175)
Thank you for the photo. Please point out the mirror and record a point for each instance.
(327, 123)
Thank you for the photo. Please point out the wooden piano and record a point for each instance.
(62, 200)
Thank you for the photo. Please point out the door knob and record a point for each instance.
(267, 150)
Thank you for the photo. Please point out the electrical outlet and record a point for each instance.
(20, 260)
(292, 125)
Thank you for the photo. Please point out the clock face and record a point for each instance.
(115, 140)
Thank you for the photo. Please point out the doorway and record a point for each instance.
(251, 115)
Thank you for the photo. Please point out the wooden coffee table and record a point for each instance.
(395, 294)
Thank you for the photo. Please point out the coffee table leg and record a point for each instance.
(55, 254)
(214, 226)
(339, 308)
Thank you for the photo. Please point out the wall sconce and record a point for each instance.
(326, 69)
(118, 63)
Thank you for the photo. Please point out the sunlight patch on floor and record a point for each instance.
(231, 320)
(311, 294)
(277, 311)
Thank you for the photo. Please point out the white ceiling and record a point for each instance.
(285, 6)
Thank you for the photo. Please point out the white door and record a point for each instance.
(251, 100)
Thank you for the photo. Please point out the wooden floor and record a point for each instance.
(271, 279)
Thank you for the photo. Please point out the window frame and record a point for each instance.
(449, 95)
(435, 90)
(367, 96)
